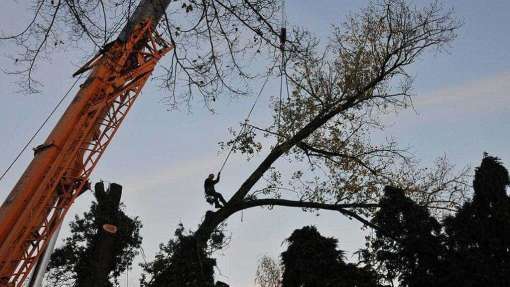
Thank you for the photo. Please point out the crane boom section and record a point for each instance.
(61, 166)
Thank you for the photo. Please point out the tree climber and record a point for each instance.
(210, 193)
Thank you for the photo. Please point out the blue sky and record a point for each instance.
(161, 157)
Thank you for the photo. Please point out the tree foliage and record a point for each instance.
(479, 234)
(468, 248)
(339, 94)
(180, 262)
(268, 273)
(314, 260)
(408, 244)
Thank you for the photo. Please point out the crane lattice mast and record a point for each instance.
(61, 166)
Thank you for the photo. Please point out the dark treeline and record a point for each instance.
(469, 248)
(410, 247)
(314, 260)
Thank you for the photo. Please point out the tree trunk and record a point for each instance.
(99, 263)
(147, 9)
(211, 221)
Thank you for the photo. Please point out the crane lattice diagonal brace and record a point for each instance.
(59, 172)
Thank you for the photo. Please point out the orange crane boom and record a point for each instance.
(61, 166)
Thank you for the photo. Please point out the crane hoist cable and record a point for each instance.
(283, 68)
(40, 128)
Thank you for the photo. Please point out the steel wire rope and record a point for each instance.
(39, 129)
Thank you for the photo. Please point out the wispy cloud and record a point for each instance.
(491, 92)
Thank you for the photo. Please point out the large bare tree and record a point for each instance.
(215, 40)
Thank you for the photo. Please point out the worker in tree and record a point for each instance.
(210, 193)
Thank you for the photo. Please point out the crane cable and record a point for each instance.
(283, 68)
(283, 41)
(245, 124)
(40, 128)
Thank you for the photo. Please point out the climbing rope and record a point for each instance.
(245, 124)
(39, 129)
(283, 39)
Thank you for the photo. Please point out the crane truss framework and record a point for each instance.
(117, 77)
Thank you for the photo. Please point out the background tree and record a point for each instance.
(469, 248)
(314, 260)
(180, 263)
(322, 129)
(311, 259)
(91, 256)
(412, 248)
(479, 234)
(408, 245)
(269, 273)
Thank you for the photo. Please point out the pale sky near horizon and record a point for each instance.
(161, 157)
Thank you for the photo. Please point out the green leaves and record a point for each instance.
(243, 142)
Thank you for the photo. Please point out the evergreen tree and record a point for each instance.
(407, 248)
(312, 260)
(479, 235)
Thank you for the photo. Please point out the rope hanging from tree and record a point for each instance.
(283, 39)
(245, 124)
